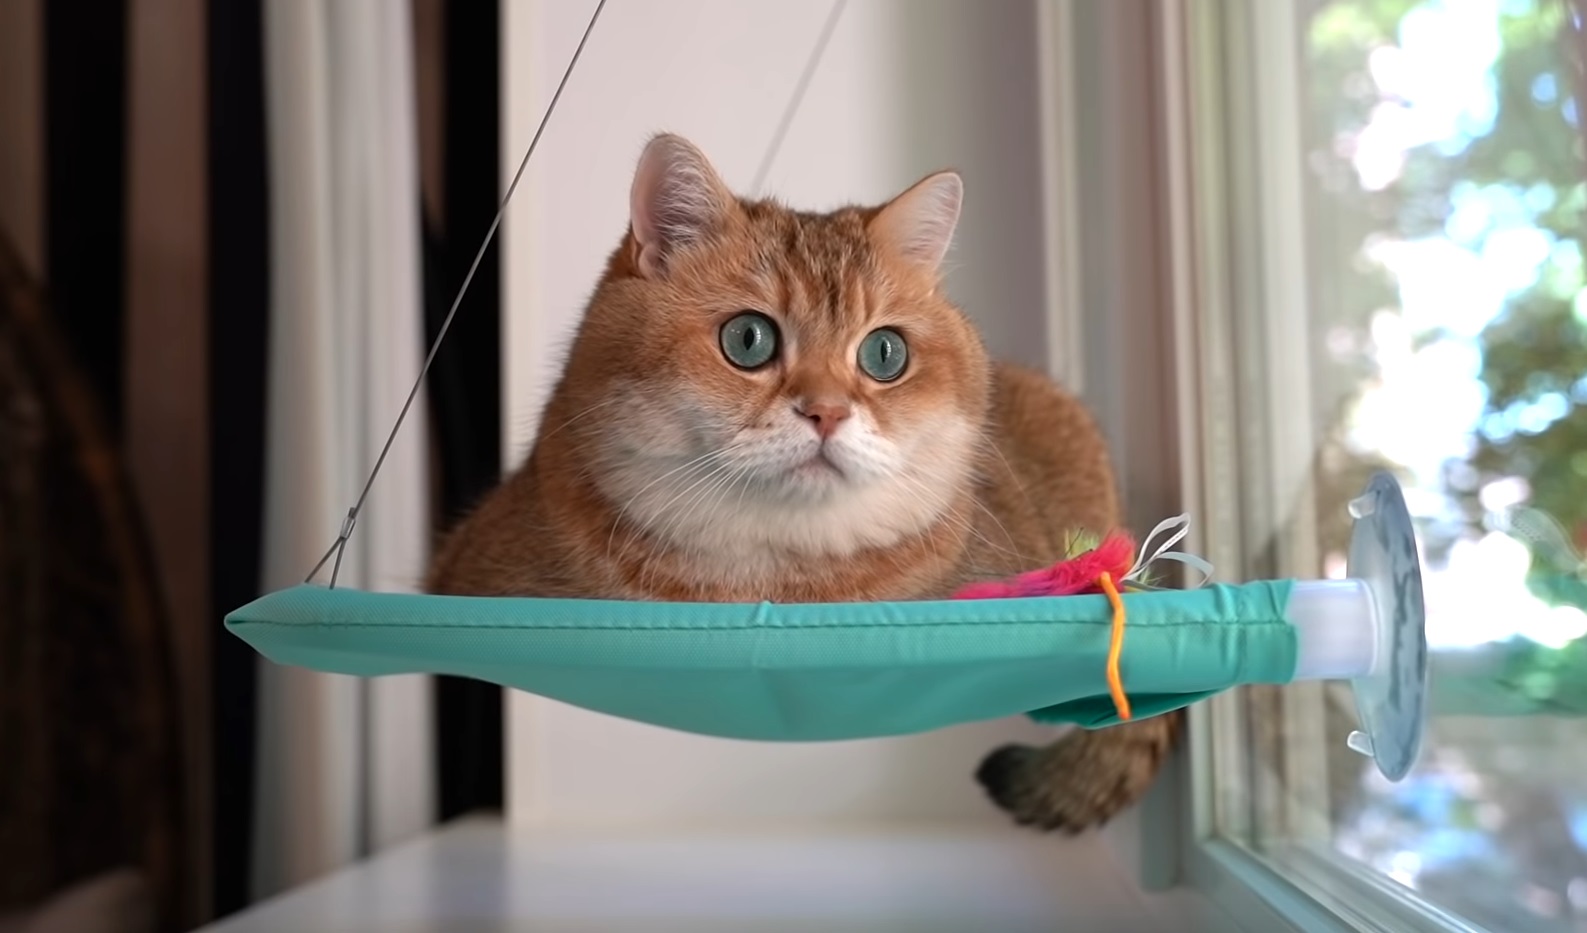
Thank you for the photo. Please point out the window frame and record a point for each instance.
(1236, 196)
(1226, 237)
(1244, 321)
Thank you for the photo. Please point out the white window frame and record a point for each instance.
(1219, 243)
(1241, 316)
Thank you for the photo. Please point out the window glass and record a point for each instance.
(1448, 343)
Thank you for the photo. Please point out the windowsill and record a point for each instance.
(1362, 896)
(477, 875)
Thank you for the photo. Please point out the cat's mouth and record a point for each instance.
(819, 464)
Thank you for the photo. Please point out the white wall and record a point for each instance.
(906, 87)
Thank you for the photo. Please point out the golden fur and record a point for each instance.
(663, 471)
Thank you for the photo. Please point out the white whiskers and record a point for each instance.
(700, 462)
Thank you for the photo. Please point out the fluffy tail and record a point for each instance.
(1084, 778)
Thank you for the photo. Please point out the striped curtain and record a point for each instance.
(344, 765)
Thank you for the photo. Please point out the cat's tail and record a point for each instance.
(1083, 779)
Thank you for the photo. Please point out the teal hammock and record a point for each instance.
(833, 671)
(799, 672)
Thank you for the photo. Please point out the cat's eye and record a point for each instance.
(749, 340)
(883, 354)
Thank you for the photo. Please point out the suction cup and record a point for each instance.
(1370, 629)
(1391, 699)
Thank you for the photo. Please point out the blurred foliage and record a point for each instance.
(1553, 681)
(1559, 589)
(1535, 354)
(1345, 217)
(1528, 167)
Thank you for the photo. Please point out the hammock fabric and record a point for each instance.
(807, 672)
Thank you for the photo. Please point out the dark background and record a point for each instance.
(76, 107)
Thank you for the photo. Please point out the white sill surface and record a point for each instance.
(477, 875)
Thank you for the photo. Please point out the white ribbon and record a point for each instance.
(1182, 524)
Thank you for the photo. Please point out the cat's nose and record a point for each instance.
(825, 416)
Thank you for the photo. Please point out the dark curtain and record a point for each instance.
(239, 304)
(85, 133)
(465, 382)
(463, 390)
(94, 776)
(85, 203)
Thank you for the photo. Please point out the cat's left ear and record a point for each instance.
(919, 223)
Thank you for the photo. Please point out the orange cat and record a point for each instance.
(763, 403)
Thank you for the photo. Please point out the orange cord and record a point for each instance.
(1116, 648)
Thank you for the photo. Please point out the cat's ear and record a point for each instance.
(677, 198)
(919, 223)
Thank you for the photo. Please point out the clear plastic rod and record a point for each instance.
(1338, 628)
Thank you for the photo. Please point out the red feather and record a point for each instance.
(1073, 577)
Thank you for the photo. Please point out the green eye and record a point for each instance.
(749, 341)
(883, 354)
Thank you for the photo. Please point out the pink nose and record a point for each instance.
(825, 416)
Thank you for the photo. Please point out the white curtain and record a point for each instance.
(346, 765)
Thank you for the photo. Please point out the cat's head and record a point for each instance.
(770, 377)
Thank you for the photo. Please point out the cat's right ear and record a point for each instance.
(918, 224)
(677, 199)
